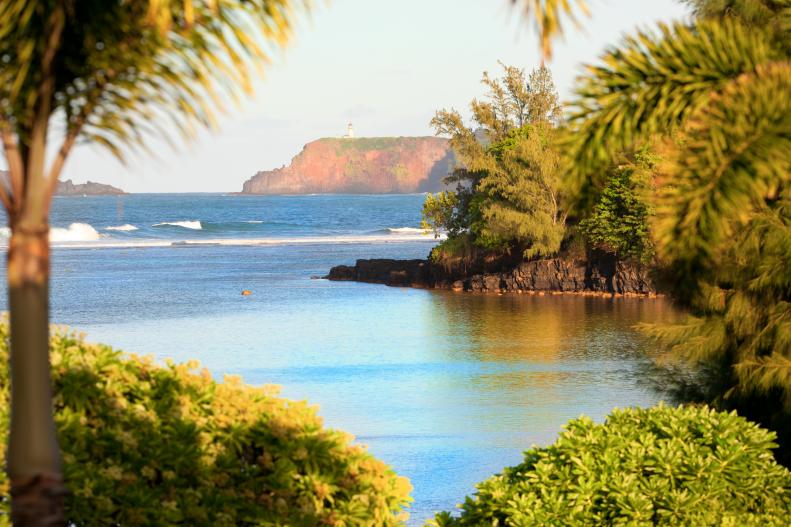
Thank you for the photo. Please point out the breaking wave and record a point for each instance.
(83, 235)
(124, 227)
(194, 225)
(76, 232)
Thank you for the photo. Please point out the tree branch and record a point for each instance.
(71, 137)
(36, 201)
(16, 171)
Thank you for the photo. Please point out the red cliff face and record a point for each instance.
(365, 165)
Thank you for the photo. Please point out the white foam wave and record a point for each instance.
(194, 225)
(124, 227)
(110, 243)
(76, 232)
(254, 221)
(408, 230)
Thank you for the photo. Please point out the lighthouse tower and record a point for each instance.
(349, 131)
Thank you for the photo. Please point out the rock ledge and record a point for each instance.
(554, 275)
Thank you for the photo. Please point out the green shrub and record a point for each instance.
(658, 466)
(149, 445)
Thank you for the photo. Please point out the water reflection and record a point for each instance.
(519, 328)
(464, 383)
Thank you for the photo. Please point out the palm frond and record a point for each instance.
(119, 67)
(548, 18)
(651, 84)
(737, 155)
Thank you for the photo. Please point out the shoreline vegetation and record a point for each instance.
(675, 153)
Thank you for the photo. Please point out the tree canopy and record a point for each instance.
(508, 193)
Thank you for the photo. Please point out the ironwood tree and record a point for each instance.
(508, 195)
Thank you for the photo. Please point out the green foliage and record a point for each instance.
(508, 195)
(440, 213)
(651, 84)
(453, 251)
(365, 144)
(732, 169)
(522, 199)
(656, 466)
(150, 445)
(714, 94)
(764, 15)
(725, 228)
(620, 220)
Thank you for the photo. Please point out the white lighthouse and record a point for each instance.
(349, 131)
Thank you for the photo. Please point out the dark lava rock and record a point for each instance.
(603, 274)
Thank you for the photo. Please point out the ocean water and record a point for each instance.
(448, 388)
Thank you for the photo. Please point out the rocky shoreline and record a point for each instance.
(592, 276)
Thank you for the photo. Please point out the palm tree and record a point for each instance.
(107, 73)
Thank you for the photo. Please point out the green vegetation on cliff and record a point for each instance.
(365, 144)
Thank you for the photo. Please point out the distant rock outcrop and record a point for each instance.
(365, 165)
(67, 188)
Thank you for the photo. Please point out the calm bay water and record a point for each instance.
(446, 387)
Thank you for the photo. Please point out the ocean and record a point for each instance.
(448, 388)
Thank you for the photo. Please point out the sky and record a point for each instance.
(385, 66)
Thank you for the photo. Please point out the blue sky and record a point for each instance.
(387, 66)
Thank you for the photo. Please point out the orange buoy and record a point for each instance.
(246, 292)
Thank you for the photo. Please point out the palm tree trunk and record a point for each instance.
(34, 465)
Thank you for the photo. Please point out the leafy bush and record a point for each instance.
(440, 213)
(150, 445)
(656, 466)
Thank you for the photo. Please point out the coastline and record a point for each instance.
(595, 276)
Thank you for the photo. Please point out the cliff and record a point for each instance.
(365, 165)
(67, 188)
